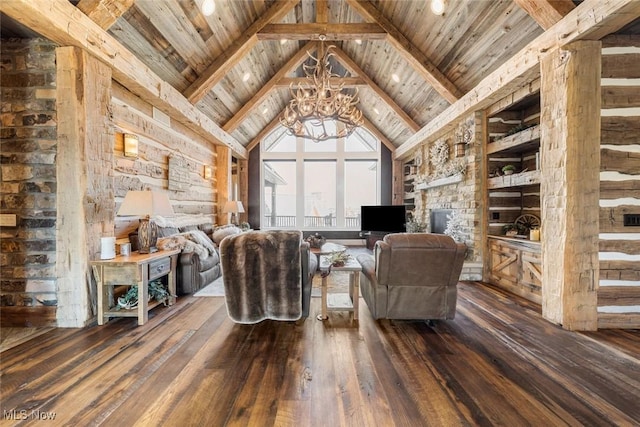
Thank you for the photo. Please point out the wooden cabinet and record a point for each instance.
(135, 269)
(516, 266)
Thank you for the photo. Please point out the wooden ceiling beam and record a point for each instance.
(61, 22)
(546, 12)
(409, 51)
(105, 13)
(219, 68)
(331, 32)
(591, 20)
(291, 64)
(346, 82)
(322, 11)
(355, 69)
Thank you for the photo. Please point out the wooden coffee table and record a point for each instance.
(340, 301)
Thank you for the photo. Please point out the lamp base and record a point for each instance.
(147, 236)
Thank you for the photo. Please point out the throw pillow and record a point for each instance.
(223, 231)
(199, 236)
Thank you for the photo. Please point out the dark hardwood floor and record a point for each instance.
(497, 363)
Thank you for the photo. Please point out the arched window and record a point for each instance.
(310, 186)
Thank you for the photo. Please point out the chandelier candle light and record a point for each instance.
(317, 101)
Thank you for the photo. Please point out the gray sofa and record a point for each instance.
(412, 276)
(267, 275)
(199, 262)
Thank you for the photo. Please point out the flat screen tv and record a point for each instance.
(388, 218)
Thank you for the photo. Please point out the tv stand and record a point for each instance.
(373, 236)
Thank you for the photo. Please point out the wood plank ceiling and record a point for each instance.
(408, 63)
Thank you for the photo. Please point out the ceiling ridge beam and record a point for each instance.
(105, 13)
(591, 20)
(219, 68)
(331, 32)
(354, 68)
(63, 23)
(347, 82)
(546, 12)
(409, 51)
(290, 65)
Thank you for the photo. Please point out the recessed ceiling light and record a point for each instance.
(265, 111)
(358, 41)
(437, 7)
(208, 7)
(395, 78)
(283, 41)
(246, 76)
(375, 110)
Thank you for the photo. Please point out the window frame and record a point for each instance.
(340, 156)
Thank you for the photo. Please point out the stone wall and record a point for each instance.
(28, 182)
(462, 196)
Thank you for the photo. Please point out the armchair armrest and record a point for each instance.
(368, 264)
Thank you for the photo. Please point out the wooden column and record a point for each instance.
(570, 163)
(223, 182)
(85, 199)
(243, 188)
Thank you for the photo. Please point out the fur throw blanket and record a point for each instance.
(261, 272)
(190, 241)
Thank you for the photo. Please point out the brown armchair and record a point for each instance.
(412, 276)
(267, 275)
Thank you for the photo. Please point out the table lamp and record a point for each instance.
(145, 204)
(234, 207)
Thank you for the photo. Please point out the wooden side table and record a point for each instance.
(135, 269)
(340, 301)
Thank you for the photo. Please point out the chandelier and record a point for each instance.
(317, 101)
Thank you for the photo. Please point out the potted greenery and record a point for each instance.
(339, 259)
(508, 169)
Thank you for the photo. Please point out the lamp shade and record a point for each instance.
(233, 206)
(145, 203)
(130, 145)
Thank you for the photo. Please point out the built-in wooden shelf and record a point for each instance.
(518, 141)
(515, 180)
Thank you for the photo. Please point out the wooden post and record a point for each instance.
(85, 199)
(223, 182)
(570, 182)
(243, 188)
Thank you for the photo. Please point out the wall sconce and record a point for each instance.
(208, 172)
(130, 145)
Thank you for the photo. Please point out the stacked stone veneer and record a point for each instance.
(28, 182)
(462, 197)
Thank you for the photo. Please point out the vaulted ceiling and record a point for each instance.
(408, 64)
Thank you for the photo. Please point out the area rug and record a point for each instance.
(336, 282)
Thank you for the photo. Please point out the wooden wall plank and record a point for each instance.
(626, 162)
(618, 320)
(631, 247)
(618, 295)
(620, 270)
(612, 220)
(619, 130)
(619, 189)
(621, 97)
(625, 66)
